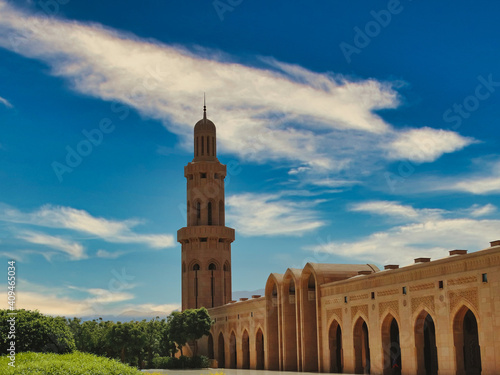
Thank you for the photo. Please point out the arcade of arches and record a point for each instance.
(356, 319)
(428, 318)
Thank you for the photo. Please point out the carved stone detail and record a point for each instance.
(462, 280)
(388, 292)
(331, 312)
(426, 301)
(384, 306)
(357, 297)
(363, 309)
(416, 288)
(470, 295)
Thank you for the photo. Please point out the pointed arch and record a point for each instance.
(210, 346)
(309, 319)
(259, 350)
(391, 346)
(361, 347)
(221, 351)
(273, 302)
(290, 309)
(233, 356)
(425, 343)
(466, 340)
(335, 347)
(245, 346)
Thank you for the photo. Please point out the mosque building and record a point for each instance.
(438, 317)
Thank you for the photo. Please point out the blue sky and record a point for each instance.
(354, 132)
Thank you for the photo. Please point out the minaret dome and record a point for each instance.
(205, 142)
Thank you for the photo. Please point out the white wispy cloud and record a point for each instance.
(426, 144)
(112, 231)
(270, 215)
(72, 301)
(395, 210)
(478, 211)
(5, 102)
(484, 180)
(99, 295)
(109, 254)
(425, 233)
(74, 249)
(480, 186)
(283, 112)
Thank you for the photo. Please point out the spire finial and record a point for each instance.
(204, 107)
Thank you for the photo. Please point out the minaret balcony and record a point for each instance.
(201, 231)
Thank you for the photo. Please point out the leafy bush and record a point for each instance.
(163, 362)
(64, 364)
(199, 362)
(37, 333)
(181, 362)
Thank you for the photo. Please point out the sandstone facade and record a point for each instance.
(432, 317)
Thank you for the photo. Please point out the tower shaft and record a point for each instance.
(206, 241)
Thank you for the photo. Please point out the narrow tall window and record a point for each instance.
(198, 213)
(189, 212)
(208, 146)
(225, 268)
(196, 146)
(196, 268)
(209, 213)
(221, 213)
(202, 145)
(213, 146)
(212, 267)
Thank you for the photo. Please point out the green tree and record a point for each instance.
(154, 332)
(189, 325)
(36, 332)
(198, 323)
(177, 329)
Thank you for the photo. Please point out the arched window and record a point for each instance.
(196, 268)
(209, 213)
(226, 278)
(212, 267)
(311, 284)
(198, 213)
(221, 213)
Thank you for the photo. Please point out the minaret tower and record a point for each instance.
(206, 241)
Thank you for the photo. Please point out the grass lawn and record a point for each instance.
(64, 364)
